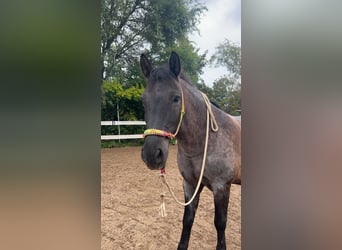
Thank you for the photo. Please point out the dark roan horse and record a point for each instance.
(166, 92)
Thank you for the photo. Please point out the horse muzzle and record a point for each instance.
(155, 152)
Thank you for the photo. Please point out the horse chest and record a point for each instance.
(190, 170)
(188, 175)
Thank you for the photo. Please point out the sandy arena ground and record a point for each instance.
(130, 201)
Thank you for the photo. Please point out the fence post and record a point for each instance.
(117, 112)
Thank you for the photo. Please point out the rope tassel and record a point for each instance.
(162, 209)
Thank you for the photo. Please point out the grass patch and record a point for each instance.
(122, 143)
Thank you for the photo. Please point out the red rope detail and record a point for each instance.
(158, 132)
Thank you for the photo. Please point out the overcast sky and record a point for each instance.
(221, 21)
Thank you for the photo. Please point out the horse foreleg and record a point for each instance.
(189, 214)
(221, 199)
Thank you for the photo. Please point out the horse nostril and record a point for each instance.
(159, 154)
(154, 156)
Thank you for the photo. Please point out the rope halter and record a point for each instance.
(163, 133)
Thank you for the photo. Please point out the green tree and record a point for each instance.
(191, 60)
(116, 98)
(228, 54)
(226, 90)
(130, 27)
(227, 94)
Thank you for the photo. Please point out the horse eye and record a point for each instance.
(176, 98)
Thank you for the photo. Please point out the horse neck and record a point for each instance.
(193, 128)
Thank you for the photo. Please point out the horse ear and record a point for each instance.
(145, 65)
(175, 65)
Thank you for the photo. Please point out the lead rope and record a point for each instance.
(162, 209)
(214, 127)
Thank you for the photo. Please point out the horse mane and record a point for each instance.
(188, 81)
(163, 73)
(216, 105)
(185, 78)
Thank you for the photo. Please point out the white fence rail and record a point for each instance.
(119, 136)
(118, 123)
(125, 123)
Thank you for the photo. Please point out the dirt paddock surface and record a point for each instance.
(130, 201)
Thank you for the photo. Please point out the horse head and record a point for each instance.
(163, 105)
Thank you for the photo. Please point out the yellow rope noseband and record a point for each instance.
(153, 131)
(163, 133)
